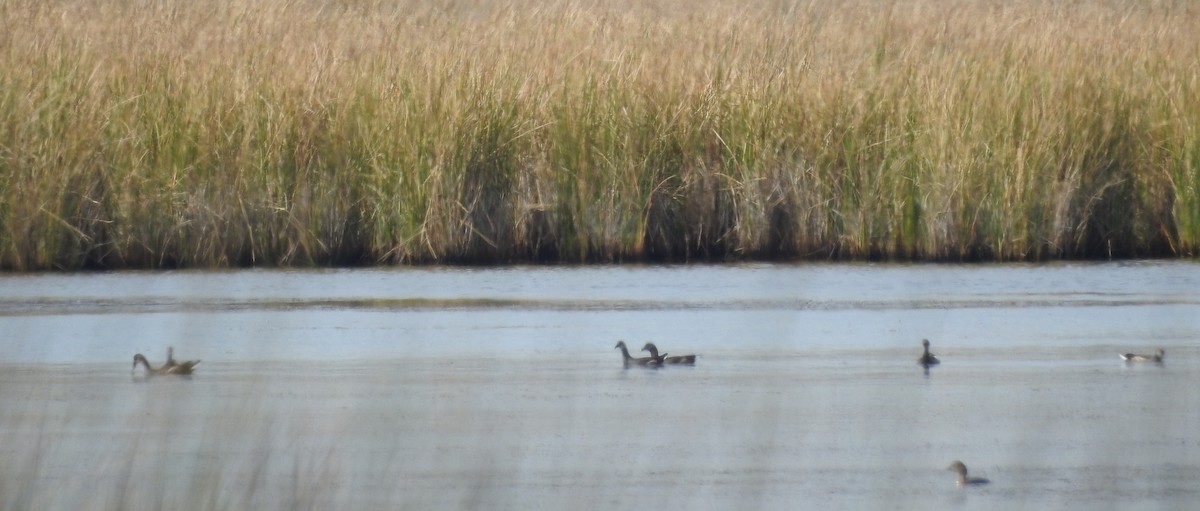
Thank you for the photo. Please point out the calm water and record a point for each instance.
(500, 388)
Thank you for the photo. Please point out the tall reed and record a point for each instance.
(164, 133)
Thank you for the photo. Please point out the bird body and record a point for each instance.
(630, 360)
(927, 359)
(1135, 357)
(170, 367)
(664, 359)
(963, 479)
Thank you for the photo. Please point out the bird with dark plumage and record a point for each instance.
(631, 361)
(1135, 357)
(170, 367)
(963, 479)
(927, 359)
(664, 359)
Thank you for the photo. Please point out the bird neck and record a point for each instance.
(625, 352)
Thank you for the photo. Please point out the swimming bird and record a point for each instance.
(184, 367)
(629, 360)
(927, 359)
(171, 367)
(664, 359)
(1134, 357)
(963, 480)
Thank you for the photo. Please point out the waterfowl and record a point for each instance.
(927, 359)
(963, 480)
(171, 367)
(1134, 357)
(664, 359)
(186, 365)
(629, 360)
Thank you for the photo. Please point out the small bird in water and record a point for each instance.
(170, 367)
(963, 480)
(1135, 357)
(927, 359)
(664, 359)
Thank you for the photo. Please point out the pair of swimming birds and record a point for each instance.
(927, 359)
(170, 367)
(654, 360)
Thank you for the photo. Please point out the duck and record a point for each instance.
(664, 359)
(186, 365)
(629, 360)
(927, 359)
(1135, 357)
(170, 367)
(963, 480)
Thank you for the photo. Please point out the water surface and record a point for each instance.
(499, 388)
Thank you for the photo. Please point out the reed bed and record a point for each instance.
(204, 133)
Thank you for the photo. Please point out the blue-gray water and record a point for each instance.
(500, 388)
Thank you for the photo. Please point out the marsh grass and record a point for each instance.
(210, 134)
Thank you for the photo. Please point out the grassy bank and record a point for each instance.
(204, 133)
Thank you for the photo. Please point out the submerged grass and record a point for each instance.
(163, 133)
(150, 456)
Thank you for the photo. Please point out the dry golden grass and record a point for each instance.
(203, 133)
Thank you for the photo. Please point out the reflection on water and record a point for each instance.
(499, 389)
